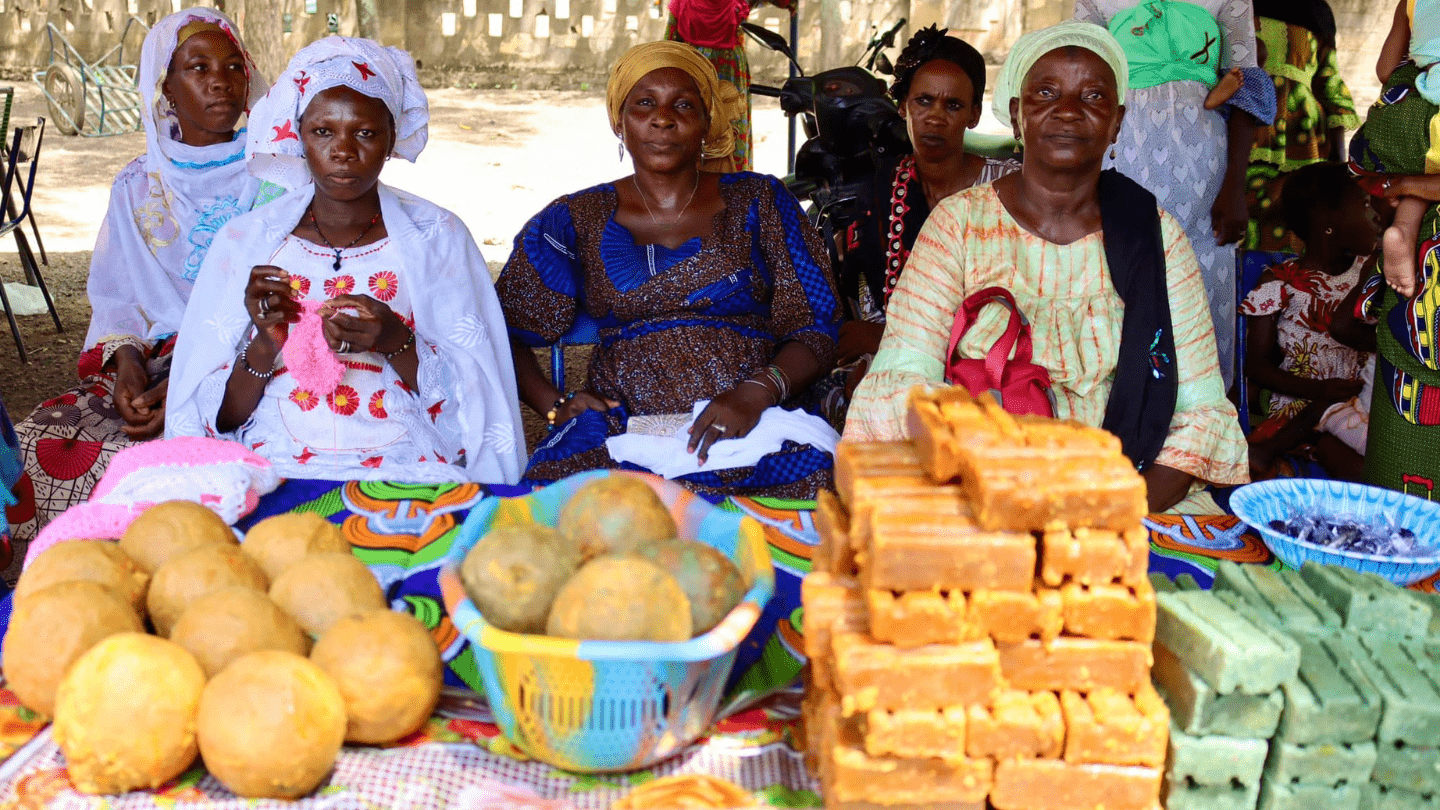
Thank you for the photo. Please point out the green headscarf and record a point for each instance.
(1169, 41)
(1030, 48)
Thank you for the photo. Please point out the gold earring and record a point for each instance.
(1329, 231)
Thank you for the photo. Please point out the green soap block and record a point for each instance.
(1162, 583)
(1283, 601)
(1197, 709)
(1329, 700)
(1182, 796)
(1186, 582)
(1408, 766)
(1231, 652)
(1322, 763)
(1380, 797)
(1397, 672)
(1367, 602)
(1276, 794)
(1215, 761)
(1431, 601)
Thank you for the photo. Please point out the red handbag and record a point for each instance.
(1020, 386)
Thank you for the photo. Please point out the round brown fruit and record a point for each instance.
(514, 572)
(271, 725)
(168, 528)
(389, 672)
(226, 624)
(277, 542)
(52, 628)
(710, 580)
(621, 599)
(195, 572)
(125, 714)
(614, 514)
(99, 561)
(325, 587)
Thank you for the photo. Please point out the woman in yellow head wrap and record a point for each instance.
(711, 291)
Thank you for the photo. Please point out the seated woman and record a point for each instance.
(348, 330)
(706, 286)
(940, 87)
(1111, 288)
(196, 81)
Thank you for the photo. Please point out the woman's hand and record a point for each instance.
(857, 339)
(373, 328)
(1424, 186)
(140, 406)
(270, 300)
(577, 402)
(1229, 217)
(1337, 389)
(730, 415)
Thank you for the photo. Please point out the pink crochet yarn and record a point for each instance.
(311, 362)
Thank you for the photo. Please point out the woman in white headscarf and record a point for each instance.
(196, 84)
(348, 330)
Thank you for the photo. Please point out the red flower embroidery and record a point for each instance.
(435, 410)
(343, 400)
(283, 132)
(384, 285)
(306, 400)
(301, 80)
(377, 405)
(372, 462)
(340, 285)
(365, 71)
(305, 455)
(301, 285)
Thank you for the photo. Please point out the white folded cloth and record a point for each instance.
(665, 454)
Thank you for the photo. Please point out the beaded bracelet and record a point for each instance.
(409, 341)
(245, 363)
(555, 409)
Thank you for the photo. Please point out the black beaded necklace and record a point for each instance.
(353, 242)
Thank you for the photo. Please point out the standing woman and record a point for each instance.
(1192, 159)
(196, 82)
(1315, 109)
(348, 330)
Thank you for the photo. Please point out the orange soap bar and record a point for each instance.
(859, 777)
(903, 559)
(1094, 556)
(915, 733)
(936, 509)
(911, 619)
(882, 676)
(934, 419)
(1081, 664)
(1052, 784)
(1110, 611)
(1099, 493)
(836, 553)
(1010, 616)
(859, 460)
(1019, 724)
(832, 604)
(1108, 727)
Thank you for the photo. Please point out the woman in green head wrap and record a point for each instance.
(1108, 281)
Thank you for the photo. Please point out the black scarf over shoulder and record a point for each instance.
(1142, 399)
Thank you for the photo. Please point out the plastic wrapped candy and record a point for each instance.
(1380, 536)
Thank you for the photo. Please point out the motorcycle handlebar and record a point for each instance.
(765, 90)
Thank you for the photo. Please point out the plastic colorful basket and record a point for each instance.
(605, 706)
(1280, 499)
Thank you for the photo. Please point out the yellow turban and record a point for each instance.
(723, 103)
(194, 27)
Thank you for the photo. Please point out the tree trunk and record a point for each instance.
(367, 19)
(264, 36)
(832, 36)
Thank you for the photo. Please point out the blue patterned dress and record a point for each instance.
(676, 325)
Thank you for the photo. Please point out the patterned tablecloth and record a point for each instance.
(403, 533)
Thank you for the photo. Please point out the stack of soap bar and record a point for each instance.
(1220, 669)
(958, 660)
(1368, 603)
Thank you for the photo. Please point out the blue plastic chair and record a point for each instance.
(585, 331)
(1250, 265)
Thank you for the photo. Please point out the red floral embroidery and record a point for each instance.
(435, 410)
(284, 132)
(372, 462)
(377, 405)
(306, 400)
(384, 285)
(340, 285)
(301, 80)
(365, 71)
(301, 285)
(305, 455)
(343, 400)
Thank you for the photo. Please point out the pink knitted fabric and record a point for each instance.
(308, 357)
(219, 474)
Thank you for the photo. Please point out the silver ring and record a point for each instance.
(720, 428)
(264, 306)
(344, 347)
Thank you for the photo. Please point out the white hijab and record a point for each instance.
(166, 206)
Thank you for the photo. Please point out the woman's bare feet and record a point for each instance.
(1399, 260)
(1225, 89)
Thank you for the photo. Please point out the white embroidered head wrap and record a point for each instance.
(273, 147)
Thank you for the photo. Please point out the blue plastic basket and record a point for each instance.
(1258, 504)
(604, 706)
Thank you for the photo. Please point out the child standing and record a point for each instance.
(1294, 348)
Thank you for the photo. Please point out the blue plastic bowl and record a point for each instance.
(1260, 503)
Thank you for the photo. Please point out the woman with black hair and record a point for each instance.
(939, 87)
(1315, 109)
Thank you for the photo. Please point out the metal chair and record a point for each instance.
(24, 148)
(585, 331)
(1250, 265)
